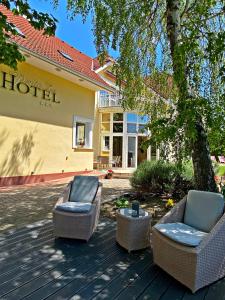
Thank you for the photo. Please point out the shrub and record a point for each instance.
(221, 170)
(155, 176)
(122, 202)
(216, 167)
(187, 172)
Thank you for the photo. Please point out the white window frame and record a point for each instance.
(102, 145)
(88, 132)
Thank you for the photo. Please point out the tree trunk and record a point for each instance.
(203, 170)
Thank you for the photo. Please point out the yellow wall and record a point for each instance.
(36, 134)
(96, 134)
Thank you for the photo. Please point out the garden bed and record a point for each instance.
(152, 203)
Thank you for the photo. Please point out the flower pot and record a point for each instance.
(108, 176)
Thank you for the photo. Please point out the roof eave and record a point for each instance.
(78, 74)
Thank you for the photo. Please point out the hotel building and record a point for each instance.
(60, 113)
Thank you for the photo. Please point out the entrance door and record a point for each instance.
(117, 151)
(142, 153)
(131, 152)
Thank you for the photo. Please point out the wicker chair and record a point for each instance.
(195, 267)
(76, 225)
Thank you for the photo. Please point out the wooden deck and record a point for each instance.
(33, 265)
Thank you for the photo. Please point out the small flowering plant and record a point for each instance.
(170, 203)
(109, 174)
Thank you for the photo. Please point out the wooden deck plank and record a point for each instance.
(28, 254)
(115, 286)
(135, 288)
(64, 256)
(26, 238)
(55, 246)
(216, 291)
(157, 287)
(17, 232)
(36, 266)
(175, 291)
(41, 249)
(100, 278)
(34, 277)
(99, 275)
(46, 261)
(53, 282)
(199, 295)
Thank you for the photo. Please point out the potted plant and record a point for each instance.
(109, 174)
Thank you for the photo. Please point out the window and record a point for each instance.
(143, 119)
(65, 55)
(117, 117)
(131, 118)
(131, 128)
(19, 32)
(142, 129)
(117, 127)
(105, 125)
(118, 122)
(131, 123)
(137, 123)
(105, 143)
(82, 132)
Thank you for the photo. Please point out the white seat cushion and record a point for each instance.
(74, 207)
(181, 233)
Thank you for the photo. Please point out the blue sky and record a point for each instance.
(74, 32)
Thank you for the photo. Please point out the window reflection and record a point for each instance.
(106, 143)
(143, 119)
(118, 117)
(131, 118)
(142, 129)
(118, 127)
(131, 128)
(80, 134)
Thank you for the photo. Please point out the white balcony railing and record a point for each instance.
(108, 100)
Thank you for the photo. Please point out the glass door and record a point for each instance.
(132, 152)
(142, 152)
(117, 151)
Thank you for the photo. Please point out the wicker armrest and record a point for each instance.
(65, 195)
(98, 194)
(215, 238)
(175, 214)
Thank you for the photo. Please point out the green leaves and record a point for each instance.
(9, 51)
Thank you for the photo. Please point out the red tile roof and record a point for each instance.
(48, 47)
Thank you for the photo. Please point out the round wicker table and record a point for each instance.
(133, 233)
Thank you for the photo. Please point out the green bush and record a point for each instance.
(216, 167)
(155, 176)
(221, 170)
(187, 172)
(122, 202)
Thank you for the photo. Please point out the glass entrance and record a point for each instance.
(131, 152)
(142, 153)
(117, 151)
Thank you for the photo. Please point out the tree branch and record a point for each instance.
(187, 4)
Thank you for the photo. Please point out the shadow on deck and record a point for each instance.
(33, 265)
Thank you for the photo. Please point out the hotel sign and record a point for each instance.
(15, 83)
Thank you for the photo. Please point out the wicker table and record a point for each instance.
(133, 233)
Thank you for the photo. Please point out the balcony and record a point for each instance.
(109, 100)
